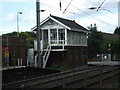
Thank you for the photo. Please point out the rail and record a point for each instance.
(46, 55)
(63, 79)
(58, 43)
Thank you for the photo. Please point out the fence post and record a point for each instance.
(63, 82)
(21, 62)
(100, 69)
(85, 79)
(18, 62)
(113, 71)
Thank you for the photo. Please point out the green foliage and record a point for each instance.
(61, 68)
(94, 42)
(13, 34)
(98, 44)
(30, 42)
(30, 37)
(105, 47)
(117, 31)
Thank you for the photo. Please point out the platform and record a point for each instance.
(11, 67)
(104, 63)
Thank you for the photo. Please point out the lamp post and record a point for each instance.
(18, 23)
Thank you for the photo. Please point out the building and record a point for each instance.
(63, 42)
(13, 51)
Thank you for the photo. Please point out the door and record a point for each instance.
(45, 39)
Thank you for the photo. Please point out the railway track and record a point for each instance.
(67, 79)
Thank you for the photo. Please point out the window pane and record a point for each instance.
(53, 36)
(61, 36)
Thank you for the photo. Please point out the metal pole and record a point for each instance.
(17, 26)
(18, 23)
(38, 32)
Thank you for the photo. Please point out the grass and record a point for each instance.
(61, 68)
(118, 87)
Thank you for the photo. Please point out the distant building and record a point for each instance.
(63, 42)
(13, 51)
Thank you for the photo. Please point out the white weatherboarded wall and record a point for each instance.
(51, 25)
(76, 38)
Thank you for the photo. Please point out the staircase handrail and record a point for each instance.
(46, 55)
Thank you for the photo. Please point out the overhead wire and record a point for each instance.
(76, 13)
(101, 8)
(100, 5)
(57, 8)
(89, 14)
(67, 6)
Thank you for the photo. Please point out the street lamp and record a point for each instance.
(18, 23)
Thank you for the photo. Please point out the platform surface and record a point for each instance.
(104, 63)
(11, 67)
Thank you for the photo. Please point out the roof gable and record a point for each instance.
(69, 24)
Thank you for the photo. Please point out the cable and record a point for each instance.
(101, 8)
(57, 8)
(100, 5)
(68, 6)
(89, 14)
(77, 14)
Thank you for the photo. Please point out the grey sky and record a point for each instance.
(106, 17)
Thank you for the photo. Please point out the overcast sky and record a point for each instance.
(106, 17)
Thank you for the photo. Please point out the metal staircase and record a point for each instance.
(44, 57)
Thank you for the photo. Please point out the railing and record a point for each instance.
(46, 55)
(58, 42)
(19, 62)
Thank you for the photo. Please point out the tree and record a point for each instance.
(117, 31)
(13, 34)
(94, 42)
